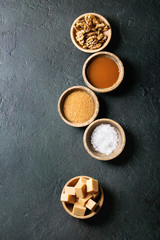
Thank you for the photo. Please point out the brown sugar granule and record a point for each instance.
(78, 107)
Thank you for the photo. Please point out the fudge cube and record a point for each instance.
(91, 205)
(68, 198)
(83, 180)
(70, 190)
(95, 195)
(92, 185)
(83, 201)
(80, 189)
(78, 209)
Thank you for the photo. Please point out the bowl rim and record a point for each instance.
(92, 213)
(109, 121)
(88, 50)
(120, 67)
(91, 94)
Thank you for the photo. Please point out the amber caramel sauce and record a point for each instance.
(102, 72)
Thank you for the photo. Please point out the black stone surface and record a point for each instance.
(39, 153)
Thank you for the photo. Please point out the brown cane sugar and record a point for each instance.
(78, 107)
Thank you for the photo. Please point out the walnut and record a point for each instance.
(97, 46)
(95, 20)
(100, 36)
(100, 25)
(88, 19)
(90, 32)
(86, 28)
(105, 28)
(79, 36)
(81, 42)
(91, 38)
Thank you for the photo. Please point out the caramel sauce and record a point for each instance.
(102, 72)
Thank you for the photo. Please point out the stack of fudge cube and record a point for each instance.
(82, 195)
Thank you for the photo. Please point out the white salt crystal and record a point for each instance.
(104, 139)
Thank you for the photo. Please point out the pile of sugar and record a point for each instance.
(104, 139)
(78, 107)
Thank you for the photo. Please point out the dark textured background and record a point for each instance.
(39, 153)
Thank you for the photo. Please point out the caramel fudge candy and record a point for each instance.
(68, 198)
(80, 189)
(91, 205)
(83, 180)
(70, 190)
(83, 201)
(95, 195)
(78, 209)
(92, 185)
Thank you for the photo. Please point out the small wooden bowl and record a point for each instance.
(89, 147)
(63, 97)
(108, 55)
(69, 207)
(108, 34)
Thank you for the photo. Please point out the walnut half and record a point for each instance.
(90, 32)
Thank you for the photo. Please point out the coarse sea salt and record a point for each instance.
(104, 139)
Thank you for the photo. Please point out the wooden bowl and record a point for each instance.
(108, 55)
(69, 207)
(63, 97)
(89, 147)
(108, 34)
